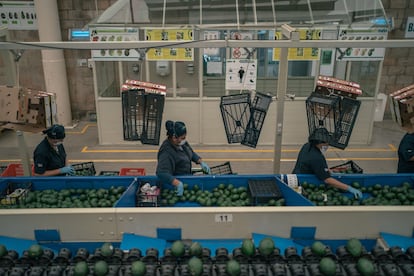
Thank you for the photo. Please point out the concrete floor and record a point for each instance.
(81, 144)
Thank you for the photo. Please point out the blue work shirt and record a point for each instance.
(174, 160)
(312, 161)
(47, 158)
(405, 152)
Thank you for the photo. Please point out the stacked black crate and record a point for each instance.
(142, 115)
(243, 119)
(333, 107)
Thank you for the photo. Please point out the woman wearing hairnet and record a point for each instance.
(311, 160)
(50, 156)
(175, 156)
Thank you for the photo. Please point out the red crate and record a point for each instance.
(13, 170)
(132, 171)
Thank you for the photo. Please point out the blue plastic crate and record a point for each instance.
(209, 182)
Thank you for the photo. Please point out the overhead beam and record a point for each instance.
(84, 45)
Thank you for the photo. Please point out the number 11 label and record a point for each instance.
(223, 217)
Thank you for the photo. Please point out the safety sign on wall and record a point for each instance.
(360, 54)
(242, 52)
(177, 54)
(300, 53)
(18, 15)
(114, 34)
(241, 74)
(409, 29)
(211, 35)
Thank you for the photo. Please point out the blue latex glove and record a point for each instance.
(357, 193)
(180, 188)
(205, 167)
(67, 170)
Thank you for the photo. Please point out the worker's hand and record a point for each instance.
(67, 170)
(357, 193)
(180, 188)
(205, 167)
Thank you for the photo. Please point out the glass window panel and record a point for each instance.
(365, 73)
(107, 75)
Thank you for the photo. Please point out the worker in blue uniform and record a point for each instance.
(49, 156)
(406, 154)
(311, 160)
(175, 156)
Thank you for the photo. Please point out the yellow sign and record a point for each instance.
(177, 54)
(300, 53)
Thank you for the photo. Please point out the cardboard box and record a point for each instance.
(402, 106)
(27, 109)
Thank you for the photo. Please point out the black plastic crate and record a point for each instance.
(142, 116)
(264, 190)
(154, 106)
(254, 127)
(222, 169)
(235, 111)
(108, 173)
(84, 169)
(148, 197)
(261, 101)
(133, 106)
(335, 114)
(347, 167)
(349, 109)
(14, 193)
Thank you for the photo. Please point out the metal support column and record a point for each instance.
(54, 67)
(289, 33)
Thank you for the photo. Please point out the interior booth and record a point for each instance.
(194, 50)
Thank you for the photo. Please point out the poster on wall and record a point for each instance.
(18, 15)
(300, 53)
(241, 52)
(211, 35)
(114, 34)
(361, 54)
(241, 74)
(165, 53)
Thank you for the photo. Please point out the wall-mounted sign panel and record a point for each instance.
(211, 35)
(360, 54)
(242, 52)
(114, 34)
(177, 54)
(18, 15)
(241, 74)
(409, 29)
(300, 53)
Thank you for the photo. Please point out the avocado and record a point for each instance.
(318, 248)
(195, 266)
(354, 247)
(138, 268)
(178, 248)
(107, 249)
(81, 269)
(365, 267)
(327, 266)
(233, 268)
(266, 246)
(195, 249)
(101, 268)
(248, 247)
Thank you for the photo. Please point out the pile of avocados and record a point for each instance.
(185, 257)
(68, 198)
(223, 195)
(377, 194)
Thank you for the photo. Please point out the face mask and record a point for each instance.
(57, 144)
(182, 142)
(324, 149)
